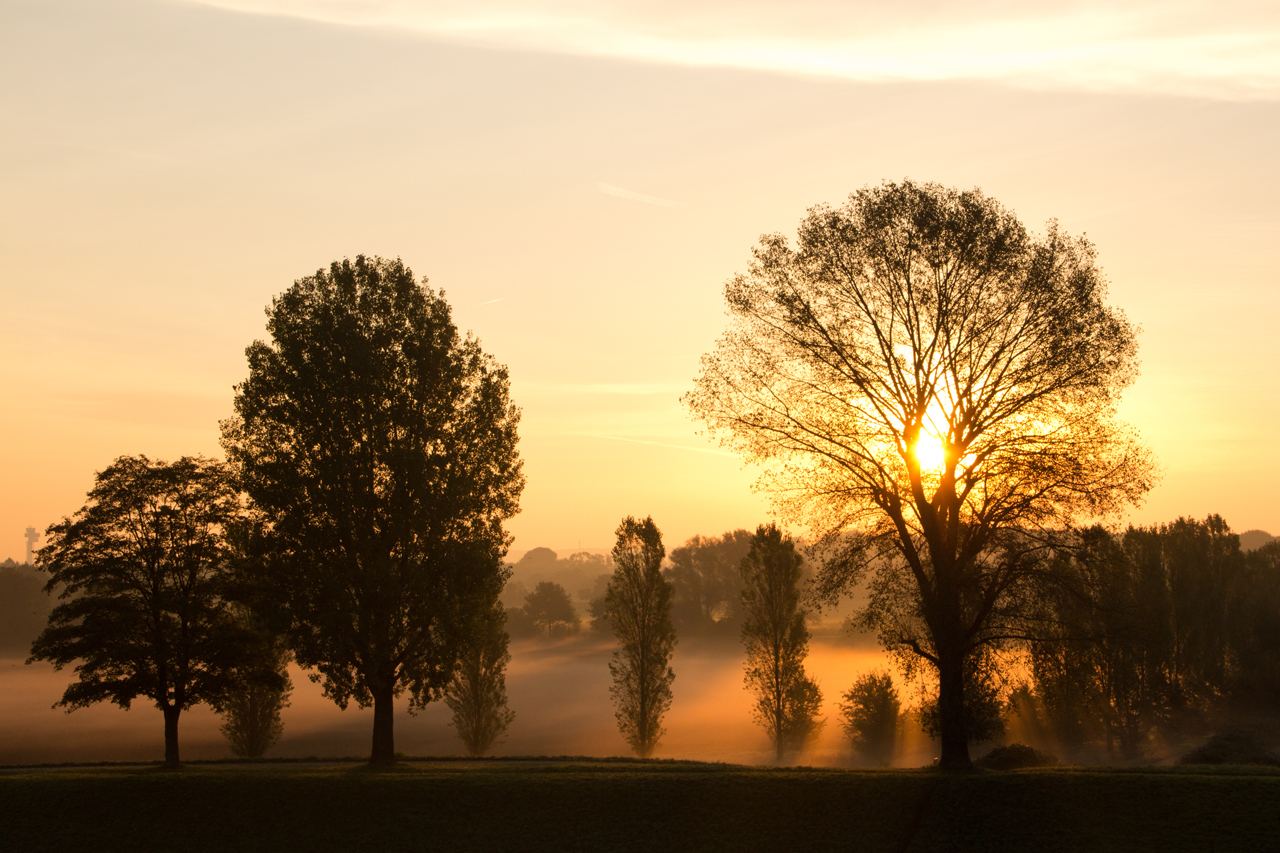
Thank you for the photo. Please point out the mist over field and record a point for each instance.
(558, 689)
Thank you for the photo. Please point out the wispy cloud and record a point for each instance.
(1215, 48)
(630, 389)
(656, 443)
(619, 192)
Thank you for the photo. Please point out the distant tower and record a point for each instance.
(32, 536)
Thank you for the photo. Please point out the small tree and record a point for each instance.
(777, 642)
(869, 716)
(145, 583)
(638, 608)
(551, 609)
(251, 713)
(477, 695)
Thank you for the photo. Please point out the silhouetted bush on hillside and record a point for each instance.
(1015, 756)
(1233, 745)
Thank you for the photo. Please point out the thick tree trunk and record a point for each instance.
(384, 744)
(171, 735)
(951, 723)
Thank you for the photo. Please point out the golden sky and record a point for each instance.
(581, 178)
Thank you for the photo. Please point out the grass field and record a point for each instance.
(616, 805)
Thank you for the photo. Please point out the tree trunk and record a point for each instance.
(951, 723)
(384, 744)
(171, 735)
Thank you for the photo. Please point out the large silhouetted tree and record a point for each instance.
(933, 390)
(638, 608)
(776, 640)
(477, 695)
(380, 449)
(144, 577)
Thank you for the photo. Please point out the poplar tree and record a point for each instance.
(638, 608)
(477, 695)
(776, 640)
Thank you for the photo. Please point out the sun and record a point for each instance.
(928, 451)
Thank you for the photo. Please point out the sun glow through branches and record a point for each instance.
(928, 451)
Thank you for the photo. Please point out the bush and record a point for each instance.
(869, 717)
(1016, 756)
(1232, 746)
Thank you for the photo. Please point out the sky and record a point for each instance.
(581, 178)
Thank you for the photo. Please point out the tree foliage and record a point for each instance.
(477, 695)
(550, 609)
(24, 607)
(869, 717)
(708, 583)
(144, 577)
(933, 390)
(638, 608)
(776, 640)
(379, 447)
(1162, 633)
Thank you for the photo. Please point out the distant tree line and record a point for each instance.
(24, 607)
(1158, 633)
(1145, 639)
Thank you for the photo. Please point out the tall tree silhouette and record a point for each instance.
(934, 392)
(380, 449)
(777, 642)
(638, 608)
(143, 574)
(477, 695)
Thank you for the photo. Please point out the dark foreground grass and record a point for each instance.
(604, 806)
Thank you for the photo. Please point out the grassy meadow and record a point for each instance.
(588, 805)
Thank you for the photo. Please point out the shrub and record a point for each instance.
(1015, 756)
(1232, 745)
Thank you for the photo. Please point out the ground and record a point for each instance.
(592, 805)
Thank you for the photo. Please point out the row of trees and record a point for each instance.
(639, 604)
(358, 524)
(931, 389)
(1156, 634)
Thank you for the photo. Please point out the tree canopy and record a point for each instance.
(144, 577)
(549, 607)
(933, 390)
(379, 447)
(708, 583)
